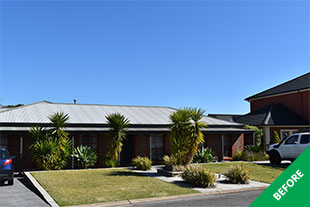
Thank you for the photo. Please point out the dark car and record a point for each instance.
(6, 167)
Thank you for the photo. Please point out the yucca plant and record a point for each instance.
(84, 157)
(118, 124)
(186, 134)
(52, 148)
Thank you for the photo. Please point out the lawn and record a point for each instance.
(102, 185)
(257, 172)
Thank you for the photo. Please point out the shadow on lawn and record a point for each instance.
(125, 173)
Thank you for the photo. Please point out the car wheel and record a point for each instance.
(274, 158)
(11, 181)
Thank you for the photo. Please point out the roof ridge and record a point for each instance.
(19, 107)
(277, 86)
(268, 115)
(110, 105)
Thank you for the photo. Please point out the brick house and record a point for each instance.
(147, 135)
(284, 108)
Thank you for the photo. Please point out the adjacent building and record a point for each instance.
(284, 108)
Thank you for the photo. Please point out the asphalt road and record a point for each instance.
(232, 199)
(20, 194)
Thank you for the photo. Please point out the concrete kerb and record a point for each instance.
(41, 190)
(165, 198)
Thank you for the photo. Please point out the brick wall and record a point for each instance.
(142, 145)
(214, 141)
(237, 141)
(297, 102)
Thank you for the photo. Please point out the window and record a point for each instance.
(305, 139)
(292, 140)
(287, 132)
(3, 141)
(157, 144)
(89, 140)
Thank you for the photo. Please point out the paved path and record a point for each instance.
(223, 200)
(20, 194)
(221, 185)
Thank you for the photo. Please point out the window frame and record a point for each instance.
(289, 138)
(308, 135)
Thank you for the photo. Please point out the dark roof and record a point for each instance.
(272, 115)
(225, 117)
(299, 83)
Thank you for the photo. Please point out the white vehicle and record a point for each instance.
(289, 148)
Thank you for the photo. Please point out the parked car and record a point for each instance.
(6, 167)
(289, 148)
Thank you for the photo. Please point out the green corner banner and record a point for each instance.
(291, 188)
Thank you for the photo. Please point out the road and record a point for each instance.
(20, 194)
(232, 199)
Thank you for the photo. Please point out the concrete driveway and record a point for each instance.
(20, 194)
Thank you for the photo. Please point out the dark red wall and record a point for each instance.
(298, 102)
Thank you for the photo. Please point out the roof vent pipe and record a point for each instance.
(74, 101)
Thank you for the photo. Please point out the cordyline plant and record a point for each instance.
(186, 134)
(52, 148)
(118, 124)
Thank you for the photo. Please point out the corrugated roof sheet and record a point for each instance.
(142, 129)
(95, 114)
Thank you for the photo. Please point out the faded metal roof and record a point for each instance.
(140, 129)
(38, 112)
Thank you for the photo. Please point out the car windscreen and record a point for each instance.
(3, 154)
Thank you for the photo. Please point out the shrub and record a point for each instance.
(238, 156)
(204, 155)
(252, 148)
(107, 161)
(237, 174)
(84, 157)
(250, 156)
(171, 164)
(142, 163)
(199, 176)
(275, 138)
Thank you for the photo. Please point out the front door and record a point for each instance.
(227, 146)
(127, 153)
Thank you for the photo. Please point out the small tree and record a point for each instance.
(275, 138)
(258, 134)
(118, 124)
(186, 134)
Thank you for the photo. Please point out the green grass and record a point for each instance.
(102, 185)
(257, 172)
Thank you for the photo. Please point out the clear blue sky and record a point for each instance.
(208, 54)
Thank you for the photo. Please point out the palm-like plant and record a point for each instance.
(118, 124)
(186, 134)
(59, 120)
(52, 147)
